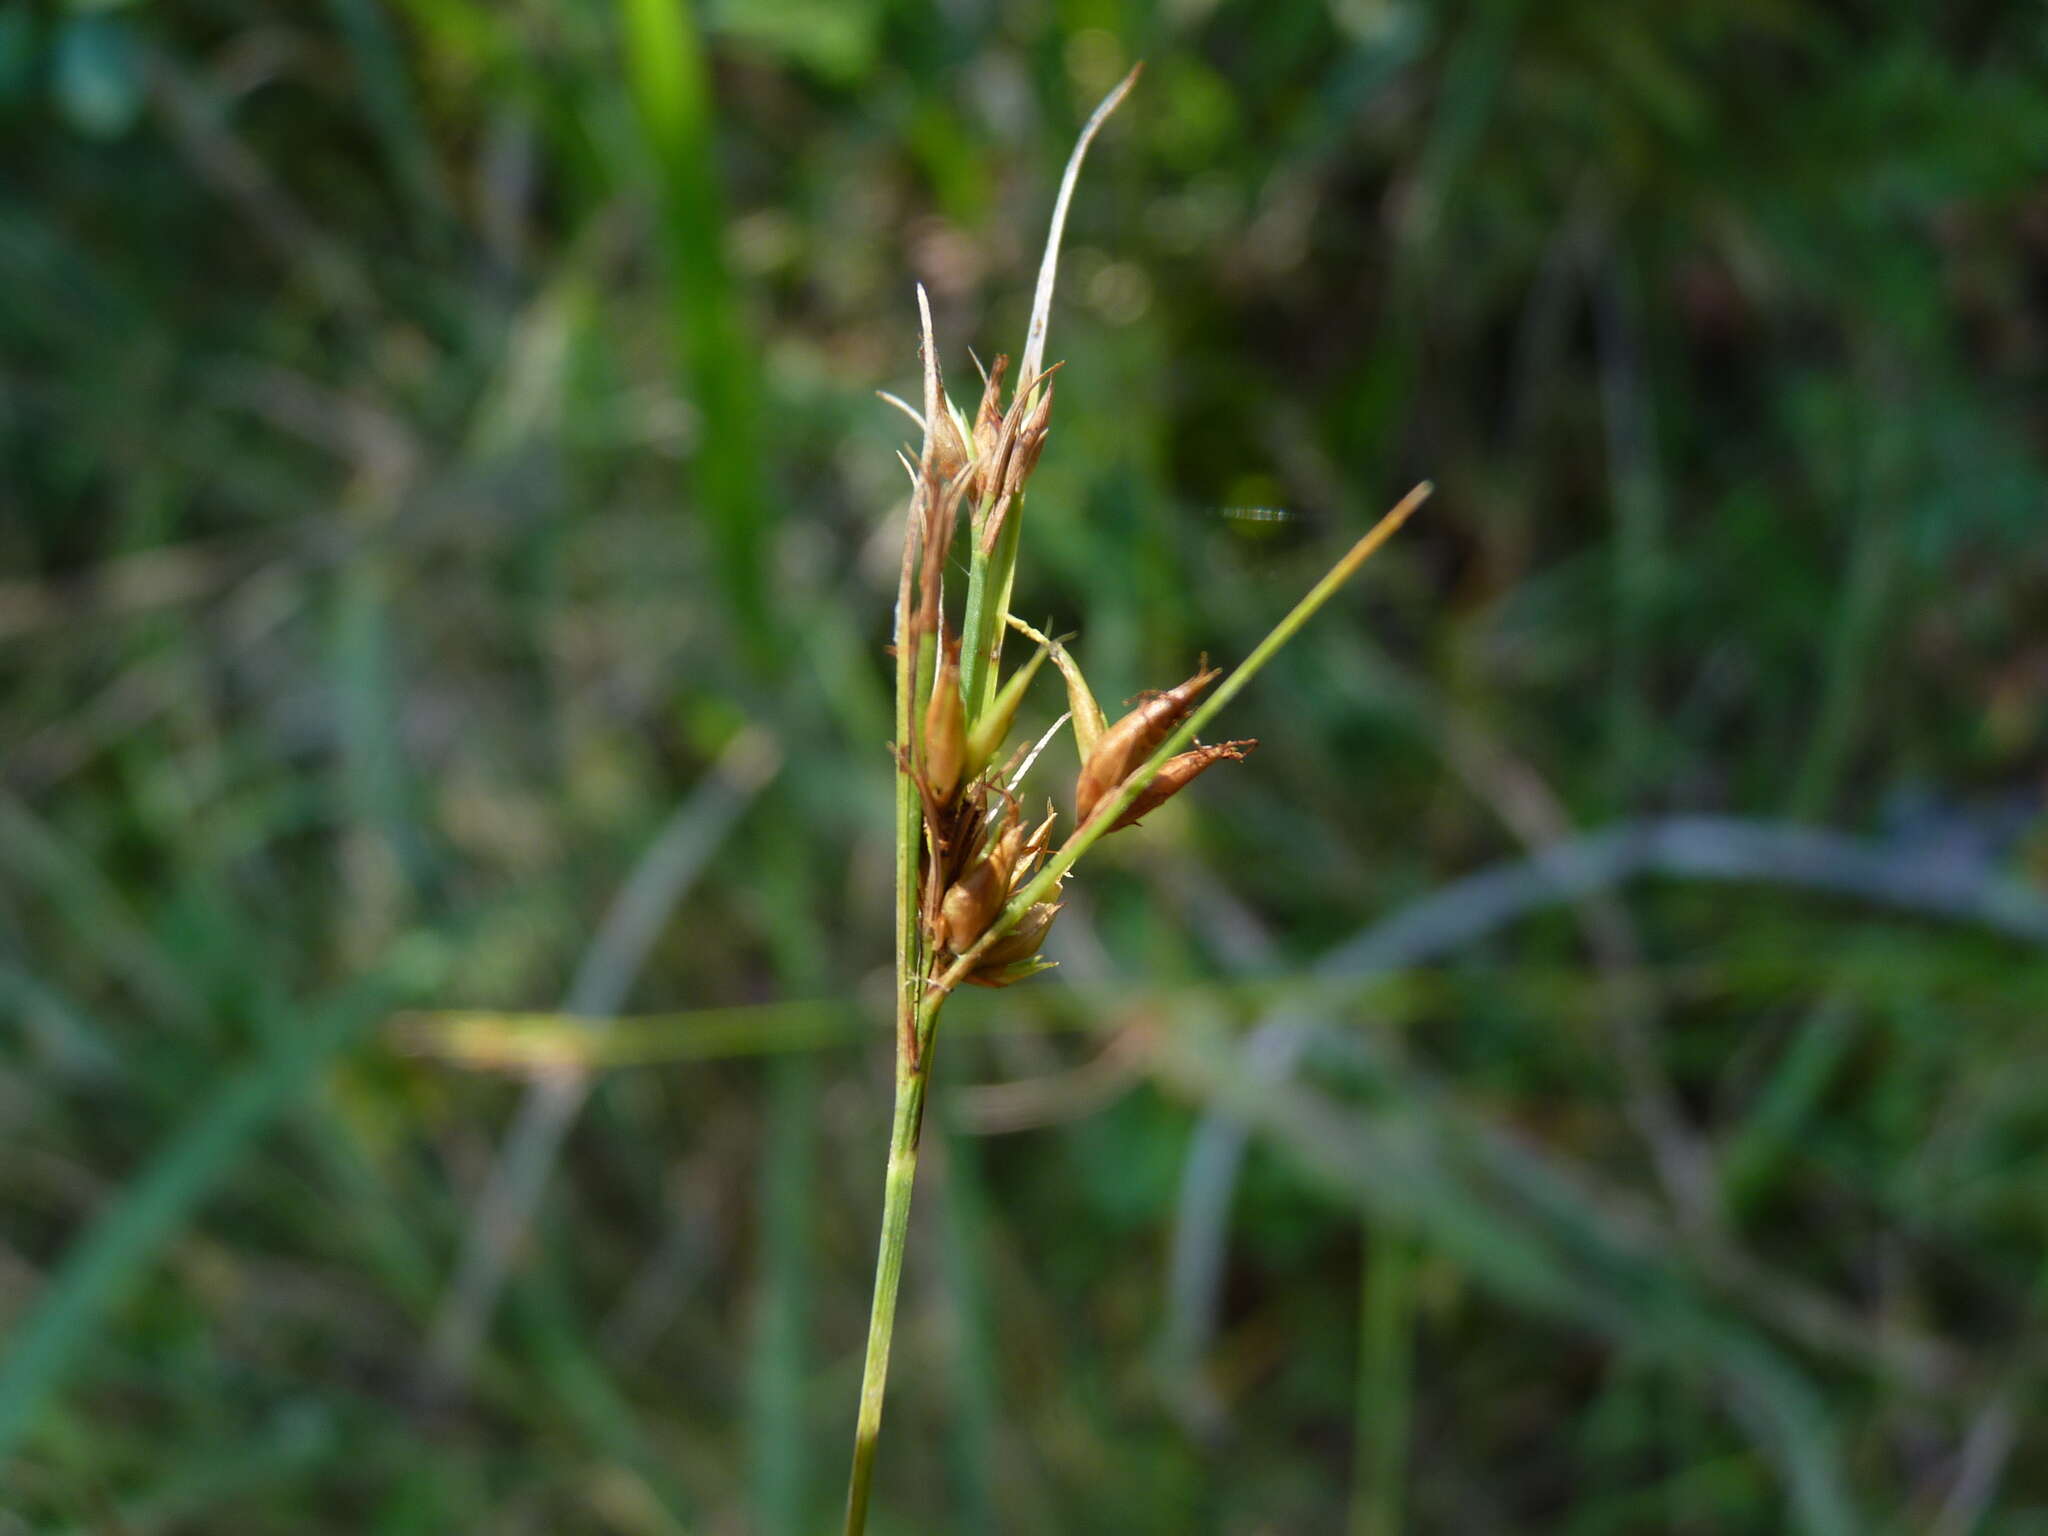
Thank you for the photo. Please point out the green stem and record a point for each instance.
(913, 1069)
(903, 1139)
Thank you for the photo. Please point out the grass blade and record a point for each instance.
(1385, 1386)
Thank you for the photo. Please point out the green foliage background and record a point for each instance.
(441, 478)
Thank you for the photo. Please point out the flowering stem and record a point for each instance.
(912, 1062)
(920, 990)
(918, 1018)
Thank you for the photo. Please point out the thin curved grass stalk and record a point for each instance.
(977, 883)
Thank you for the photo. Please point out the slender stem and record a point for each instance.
(1385, 1403)
(907, 824)
(913, 1074)
(903, 1139)
(917, 1001)
(913, 1069)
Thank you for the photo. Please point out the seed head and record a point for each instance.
(1124, 746)
(972, 901)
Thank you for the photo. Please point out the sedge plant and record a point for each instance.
(978, 877)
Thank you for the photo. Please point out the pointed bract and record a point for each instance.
(986, 739)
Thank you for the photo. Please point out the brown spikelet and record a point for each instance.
(988, 421)
(949, 448)
(945, 729)
(1126, 744)
(1177, 774)
(972, 901)
(945, 451)
(999, 477)
(940, 501)
(1030, 444)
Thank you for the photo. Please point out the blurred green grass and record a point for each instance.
(435, 432)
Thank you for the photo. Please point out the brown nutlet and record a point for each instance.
(1176, 774)
(1124, 746)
